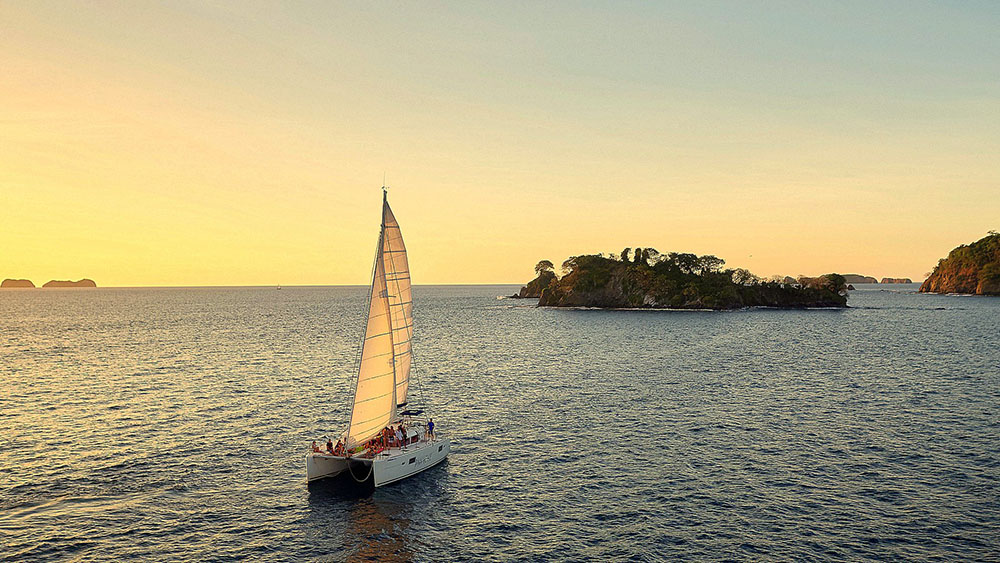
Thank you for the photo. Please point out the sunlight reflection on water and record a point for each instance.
(172, 423)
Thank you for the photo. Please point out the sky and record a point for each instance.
(245, 143)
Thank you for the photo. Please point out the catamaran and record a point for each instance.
(385, 441)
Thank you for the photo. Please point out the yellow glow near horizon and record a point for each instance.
(245, 144)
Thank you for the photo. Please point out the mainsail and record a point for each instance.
(384, 371)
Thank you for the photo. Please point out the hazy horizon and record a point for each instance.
(282, 285)
(193, 144)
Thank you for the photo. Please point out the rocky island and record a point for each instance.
(973, 268)
(858, 278)
(66, 283)
(896, 280)
(12, 283)
(644, 278)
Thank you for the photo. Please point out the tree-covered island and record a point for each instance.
(972, 268)
(644, 278)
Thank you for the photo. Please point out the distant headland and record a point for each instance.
(858, 278)
(12, 283)
(973, 268)
(645, 279)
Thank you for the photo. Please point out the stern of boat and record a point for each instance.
(319, 466)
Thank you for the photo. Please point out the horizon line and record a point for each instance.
(258, 285)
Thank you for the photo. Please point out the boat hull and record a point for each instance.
(402, 463)
(319, 466)
(389, 467)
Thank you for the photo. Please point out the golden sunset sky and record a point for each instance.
(240, 143)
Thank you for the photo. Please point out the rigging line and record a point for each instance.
(371, 378)
(376, 355)
(370, 469)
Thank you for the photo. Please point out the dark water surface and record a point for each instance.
(173, 424)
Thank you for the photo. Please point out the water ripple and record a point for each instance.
(172, 423)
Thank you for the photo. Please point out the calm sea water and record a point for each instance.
(173, 423)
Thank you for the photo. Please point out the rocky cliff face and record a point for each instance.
(16, 283)
(66, 283)
(968, 269)
(896, 280)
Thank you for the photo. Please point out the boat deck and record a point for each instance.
(387, 453)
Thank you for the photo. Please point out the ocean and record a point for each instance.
(172, 424)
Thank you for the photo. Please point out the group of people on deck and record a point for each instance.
(389, 437)
(330, 448)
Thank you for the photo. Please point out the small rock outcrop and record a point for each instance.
(896, 280)
(16, 283)
(858, 278)
(534, 288)
(973, 268)
(66, 283)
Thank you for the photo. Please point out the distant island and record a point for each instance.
(644, 278)
(66, 283)
(858, 278)
(896, 280)
(973, 268)
(12, 283)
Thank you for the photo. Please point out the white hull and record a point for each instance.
(319, 466)
(385, 468)
(397, 464)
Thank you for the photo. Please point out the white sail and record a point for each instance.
(397, 276)
(374, 400)
(383, 375)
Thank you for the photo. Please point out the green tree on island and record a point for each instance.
(544, 266)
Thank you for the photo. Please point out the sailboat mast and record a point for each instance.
(388, 308)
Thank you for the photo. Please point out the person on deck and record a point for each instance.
(339, 448)
(315, 447)
(430, 428)
(329, 445)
